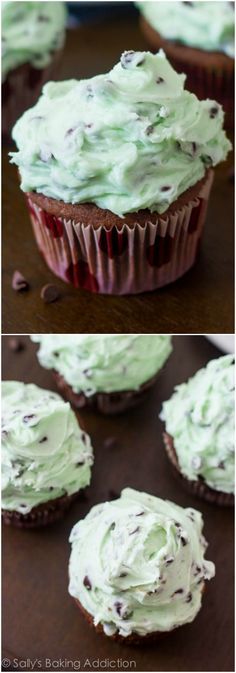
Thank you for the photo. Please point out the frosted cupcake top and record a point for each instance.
(31, 32)
(137, 564)
(205, 25)
(45, 454)
(127, 140)
(107, 363)
(200, 418)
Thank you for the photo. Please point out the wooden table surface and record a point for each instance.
(202, 301)
(40, 620)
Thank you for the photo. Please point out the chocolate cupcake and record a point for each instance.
(198, 38)
(105, 372)
(33, 35)
(199, 437)
(117, 174)
(137, 568)
(46, 457)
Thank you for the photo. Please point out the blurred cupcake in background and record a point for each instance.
(106, 372)
(198, 38)
(199, 436)
(46, 457)
(117, 172)
(33, 35)
(137, 567)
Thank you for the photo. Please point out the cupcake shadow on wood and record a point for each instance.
(46, 457)
(108, 373)
(129, 217)
(199, 437)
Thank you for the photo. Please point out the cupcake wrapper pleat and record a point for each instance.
(126, 261)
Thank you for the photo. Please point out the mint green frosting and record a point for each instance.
(45, 454)
(31, 32)
(137, 564)
(200, 418)
(205, 25)
(93, 363)
(127, 140)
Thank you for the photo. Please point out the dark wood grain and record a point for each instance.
(202, 301)
(40, 620)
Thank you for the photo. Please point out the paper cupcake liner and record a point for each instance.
(21, 90)
(42, 515)
(132, 639)
(199, 487)
(106, 403)
(126, 261)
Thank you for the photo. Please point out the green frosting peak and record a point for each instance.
(106, 363)
(205, 25)
(45, 454)
(31, 32)
(137, 564)
(200, 418)
(127, 140)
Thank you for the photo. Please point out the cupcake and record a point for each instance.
(46, 457)
(199, 437)
(103, 371)
(117, 174)
(32, 38)
(137, 568)
(198, 38)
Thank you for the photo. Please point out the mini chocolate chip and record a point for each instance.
(28, 418)
(4, 433)
(165, 188)
(118, 606)
(178, 525)
(88, 126)
(186, 2)
(87, 584)
(49, 293)
(189, 597)
(42, 18)
(178, 591)
(197, 570)
(135, 531)
(83, 437)
(113, 525)
(221, 465)
(126, 59)
(149, 129)
(44, 439)
(169, 560)
(81, 462)
(213, 112)
(123, 574)
(183, 540)
(19, 283)
(15, 345)
(194, 147)
(56, 354)
(160, 80)
(51, 488)
(140, 514)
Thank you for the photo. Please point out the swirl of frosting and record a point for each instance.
(200, 418)
(137, 564)
(45, 454)
(107, 363)
(31, 32)
(205, 25)
(127, 140)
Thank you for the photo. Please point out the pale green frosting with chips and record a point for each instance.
(200, 418)
(31, 32)
(127, 140)
(137, 564)
(45, 454)
(93, 363)
(205, 25)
